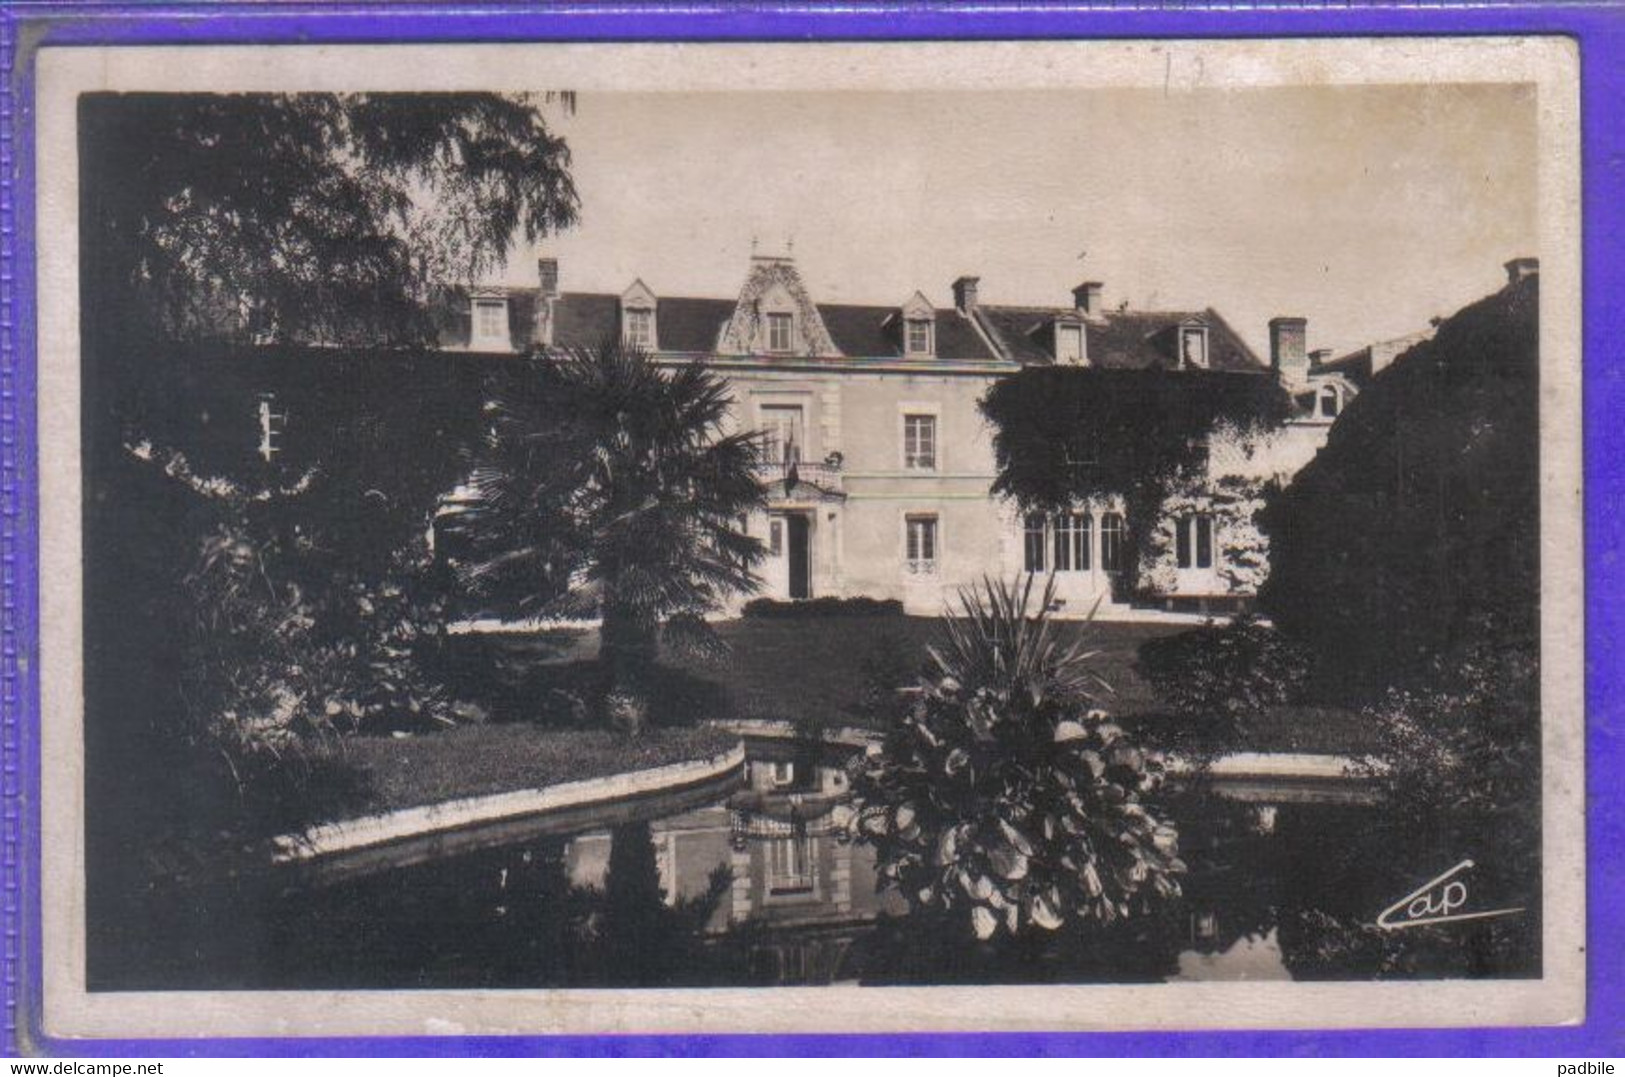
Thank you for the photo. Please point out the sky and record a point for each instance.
(1367, 210)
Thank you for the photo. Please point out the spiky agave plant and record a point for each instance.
(1002, 799)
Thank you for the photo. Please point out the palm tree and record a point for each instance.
(607, 486)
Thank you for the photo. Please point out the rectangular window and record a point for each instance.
(1111, 542)
(640, 329)
(775, 538)
(784, 773)
(1033, 542)
(1081, 452)
(1193, 347)
(1201, 457)
(922, 544)
(789, 865)
(271, 425)
(1063, 542)
(780, 333)
(1069, 343)
(1329, 402)
(782, 433)
(490, 321)
(1072, 542)
(740, 557)
(1193, 541)
(919, 336)
(920, 442)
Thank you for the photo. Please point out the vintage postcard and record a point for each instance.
(706, 537)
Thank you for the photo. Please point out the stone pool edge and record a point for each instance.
(347, 835)
(1306, 765)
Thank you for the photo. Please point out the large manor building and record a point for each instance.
(881, 462)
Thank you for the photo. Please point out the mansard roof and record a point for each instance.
(873, 331)
(695, 325)
(1117, 339)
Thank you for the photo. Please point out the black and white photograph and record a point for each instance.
(638, 538)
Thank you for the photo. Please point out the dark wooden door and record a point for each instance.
(800, 551)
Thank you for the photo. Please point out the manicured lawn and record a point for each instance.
(818, 672)
(823, 671)
(472, 760)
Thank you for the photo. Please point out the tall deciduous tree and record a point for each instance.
(1413, 537)
(209, 221)
(299, 220)
(313, 217)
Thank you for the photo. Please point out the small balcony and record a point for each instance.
(804, 479)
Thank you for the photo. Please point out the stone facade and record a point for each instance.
(881, 461)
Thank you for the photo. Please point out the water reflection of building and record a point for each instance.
(802, 893)
(800, 886)
(801, 903)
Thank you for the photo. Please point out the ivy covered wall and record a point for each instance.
(1166, 443)
(1241, 549)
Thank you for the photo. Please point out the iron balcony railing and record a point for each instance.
(824, 474)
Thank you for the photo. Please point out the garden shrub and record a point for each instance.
(281, 666)
(1001, 805)
(1458, 766)
(1465, 751)
(1226, 673)
(887, 674)
(860, 606)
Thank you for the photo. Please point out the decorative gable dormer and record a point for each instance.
(917, 328)
(488, 322)
(639, 310)
(774, 315)
(1192, 343)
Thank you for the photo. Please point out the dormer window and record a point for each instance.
(781, 332)
(918, 332)
(1193, 346)
(1069, 343)
(640, 329)
(916, 323)
(1331, 402)
(489, 325)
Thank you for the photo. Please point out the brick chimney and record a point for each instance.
(965, 293)
(1520, 268)
(1288, 355)
(1087, 298)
